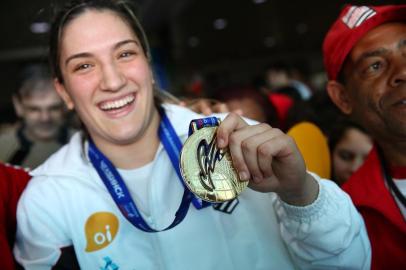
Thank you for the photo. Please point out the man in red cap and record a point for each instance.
(365, 57)
(12, 183)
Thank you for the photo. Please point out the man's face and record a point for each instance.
(42, 113)
(375, 81)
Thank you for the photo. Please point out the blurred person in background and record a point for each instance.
(285, 100)
(276, 75)
(284, 92)
(42, 128)
(249, 102)
(365, 58)
(348, 142)
(349, 146)
(279, 75)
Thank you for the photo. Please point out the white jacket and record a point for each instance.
(67, 204)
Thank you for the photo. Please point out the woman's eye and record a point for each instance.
(126, 54)
(82, 67)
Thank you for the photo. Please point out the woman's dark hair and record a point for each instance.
(338, 130)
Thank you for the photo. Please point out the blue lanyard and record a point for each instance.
(173, 146)
(119, 191)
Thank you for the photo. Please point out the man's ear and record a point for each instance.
(340, 97)
(18, 107)
(60, 88)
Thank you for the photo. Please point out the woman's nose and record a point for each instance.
(113, 78)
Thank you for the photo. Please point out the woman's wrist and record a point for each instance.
(303, 196)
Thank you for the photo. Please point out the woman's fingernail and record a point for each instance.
(220, 143)
(243, 176)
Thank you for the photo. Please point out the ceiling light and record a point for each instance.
(269, 42)
(258, 1)
(193, 41)
(39, 27)
(301, 28)
(220, 24)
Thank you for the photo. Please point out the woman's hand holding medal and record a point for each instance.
(268, 159)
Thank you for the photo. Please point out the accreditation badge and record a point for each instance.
(207, 170)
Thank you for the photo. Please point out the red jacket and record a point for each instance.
(385, 224)
(12, 183)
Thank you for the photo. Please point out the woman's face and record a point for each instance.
(107, 78)
(350, 153)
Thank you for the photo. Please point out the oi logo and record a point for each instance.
(100, 229)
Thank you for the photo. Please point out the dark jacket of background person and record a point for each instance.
(18, 150)
(12, 183)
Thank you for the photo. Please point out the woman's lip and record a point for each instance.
(123, 110)
(116, 103)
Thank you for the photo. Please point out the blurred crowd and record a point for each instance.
(280, 96)
(283, 97)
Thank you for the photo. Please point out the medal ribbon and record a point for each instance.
(204, 122)
(121, 196)
(173, 146)
(119, 191)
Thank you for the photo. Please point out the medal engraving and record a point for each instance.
(207, 170)
(207, 155)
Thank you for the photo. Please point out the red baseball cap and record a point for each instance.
(352, 24)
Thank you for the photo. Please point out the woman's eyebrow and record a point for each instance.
(78, 55)
(124, 42)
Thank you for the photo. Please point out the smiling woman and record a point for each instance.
(116, 197)
(109, 83)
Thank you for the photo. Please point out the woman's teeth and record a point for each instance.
(117, 104)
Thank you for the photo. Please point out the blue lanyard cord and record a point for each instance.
(173, 146)
(119, 191)
(121, 196)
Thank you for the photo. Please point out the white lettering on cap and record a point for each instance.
(357, 15)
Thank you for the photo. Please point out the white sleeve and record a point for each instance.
(328, 234)
(40, 227)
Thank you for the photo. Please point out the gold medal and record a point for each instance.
(207, 170)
